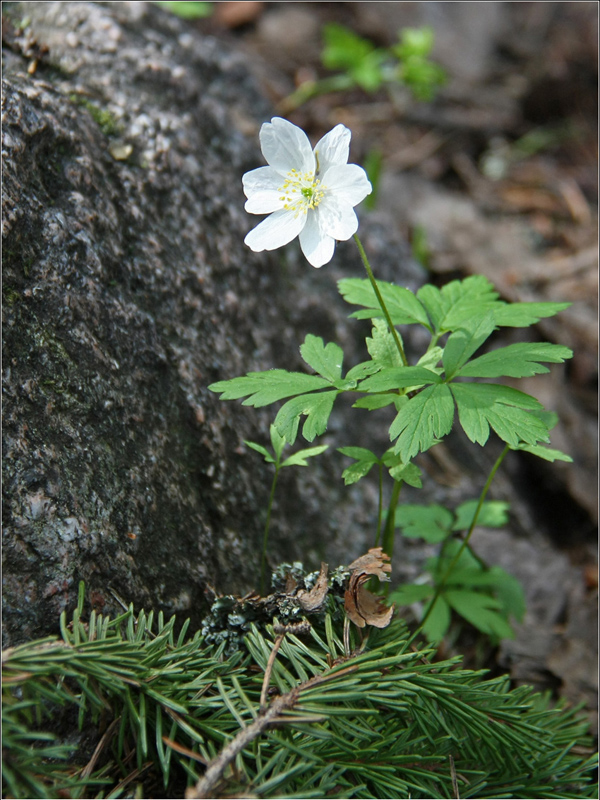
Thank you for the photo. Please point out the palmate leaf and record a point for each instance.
(521, 360)
(264, 388)
(403, 306)
(422, 421)
(458, 302)
(481, 405)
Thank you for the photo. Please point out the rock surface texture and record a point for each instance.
(127, 291)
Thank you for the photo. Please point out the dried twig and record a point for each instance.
(280, 630)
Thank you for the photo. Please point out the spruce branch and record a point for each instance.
(382, 721)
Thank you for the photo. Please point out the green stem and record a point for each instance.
(263, 561)
(310, 89)
(440, 587)
(380, 300)
(390, 520)
(380, 505)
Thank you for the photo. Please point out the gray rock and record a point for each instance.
(127, 291)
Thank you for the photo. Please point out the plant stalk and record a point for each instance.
(380, 300)
(263, 560)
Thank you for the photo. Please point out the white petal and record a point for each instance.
(264, 202)
(261, 180)
(348, 182)
(336, 217)
(317, 246)
(285, 146)
(333, 149)
(275, 231)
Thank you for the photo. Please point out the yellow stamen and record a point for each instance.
(301, 192)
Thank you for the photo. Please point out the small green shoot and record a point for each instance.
(356, 61)
(297, 459)
(187, 10)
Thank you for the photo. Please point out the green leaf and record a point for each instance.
(375, 401)
(507, 588)
(187, 10)
(493, 514)
(324, 359)
(521, 360)
(359, 454)
(361, 371)
(478, 609)
(263, 388)
(422, 76)
(481, 405)
(431, 523)
(437, 566)
(345, 50)
(299, 459)
(398, 378)
(457, 302)
(433, 301)
(262, 450)
(431, 359)
(316, 407)
(465, 341)
(403, 306)
(409, 593)
(364, 461)
(422, 421)
(382, 347)
(547, 453)
(438, 621)
(414, 42)
(510, 593)
(521, 315)
(409, 473)
(356, 471)
(277, 441)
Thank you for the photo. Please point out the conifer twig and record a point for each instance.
(216, 768)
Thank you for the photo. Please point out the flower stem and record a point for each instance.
(440, 587)
(380, 300)
(263, 561)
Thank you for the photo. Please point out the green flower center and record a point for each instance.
(301, 192)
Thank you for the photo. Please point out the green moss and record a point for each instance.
(11, 296)
(101, 116)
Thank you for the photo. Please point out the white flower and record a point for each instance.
(307, 193)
